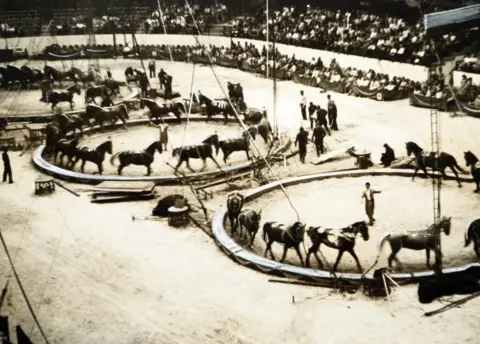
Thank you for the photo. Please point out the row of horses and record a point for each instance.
(441, 162)
(64, 147)
(247, 222)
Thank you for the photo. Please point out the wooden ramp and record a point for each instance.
(330, 156)
(111, 191)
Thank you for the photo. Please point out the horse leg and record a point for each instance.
(178, 165)
(149, 170)
(312, 250)
(71, 105)
(100, 168)
(285, 249)
(204, 165)
(457, 177)
(120, 168)
(392, 255)
(476, 247)
(352, 253)
(248, 156)
(269, 248)
(299, 255)
(427, 252)
(216, 163)
(252, 239)
(83, 165)
(339, 256)
(189, 167)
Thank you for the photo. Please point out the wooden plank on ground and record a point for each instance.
(138, 186)
(106, 199)
(223, 180)
(329, 156)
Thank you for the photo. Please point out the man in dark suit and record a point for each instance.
(332, 113)
(7, 168)
(162, 77)
(302, 140)
(319, 134)
(388, 157)
(322, 119)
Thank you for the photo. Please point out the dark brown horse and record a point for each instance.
(342, 239)
(54, 98)
(65, 148)
(107, 114)
(54, 74)
(472, 161)
(71, 123)
(235, 202)
(288, 236)
(423, 239)
(97, 155)
(250, 220)
(99, 91)
(473, 234)
(142, 158)
(158, 111)
(235, 145)
(424, 160)
(201, 151)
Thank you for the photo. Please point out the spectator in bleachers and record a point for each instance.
(470, 64)
(356, 33)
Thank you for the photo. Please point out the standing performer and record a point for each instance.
(303, 105)
(368, 195)
(302, 140)
(322, 119)
(162, 76)
(332, 113)
(168, 86)
(319, 134)
(311, 111)
(7, 168)
(152, 67)
(163, 134)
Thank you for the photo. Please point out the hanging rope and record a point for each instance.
(211, 65)
(164, 29)
(24, 294)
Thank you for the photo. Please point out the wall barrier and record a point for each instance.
(44, 166)
(248, 258)
(413, 72)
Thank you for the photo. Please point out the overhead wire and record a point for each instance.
(211, 65)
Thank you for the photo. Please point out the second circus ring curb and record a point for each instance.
(248, 258)
(84, 178)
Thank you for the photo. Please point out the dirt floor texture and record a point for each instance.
(95, 276)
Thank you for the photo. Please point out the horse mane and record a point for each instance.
(209, 139)
(95, 105)
(413, 145)
(471, 155)
(101, 144)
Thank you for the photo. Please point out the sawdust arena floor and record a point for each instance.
(95, 276)
(140, 137)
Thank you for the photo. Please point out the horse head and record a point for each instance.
(412, 147)
(155, 146)
(298, 231)
(158, 146)
(75, 88)
(107, 147)
(180, 106)
(362, 228)
(446, 224)
(312, 233)
(213, 140)
(256, 218)
(470, 158)
(176, 152)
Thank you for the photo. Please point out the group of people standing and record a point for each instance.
(164, 79)
(321, 122)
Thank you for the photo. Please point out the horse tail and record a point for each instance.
(114, 156)
(469, 234)
(266, 228)
(457, 166)
(382, 240)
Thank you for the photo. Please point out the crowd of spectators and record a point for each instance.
(469, 64)
(354, 33)
(178, 20)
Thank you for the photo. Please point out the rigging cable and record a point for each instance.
(211, 65)
(24, 294)
(164, 29)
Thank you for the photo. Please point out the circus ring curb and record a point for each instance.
(83, 178)
(247, 258)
